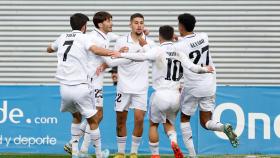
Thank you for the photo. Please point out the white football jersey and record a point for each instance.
(133, 76)
(167, 68)
(196, 47)
(72, 55)
(101, 40)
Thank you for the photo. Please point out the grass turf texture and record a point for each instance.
(139, 156)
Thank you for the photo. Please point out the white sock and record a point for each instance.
(87, 140)
(96, 139)
(135, 144)
(75, 137)
(214, 126)
(154, 148)
(81, 132)
(172, 135)
(83, 126)
(121, 144)
(187, 137)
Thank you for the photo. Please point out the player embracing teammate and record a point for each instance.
(189, 57)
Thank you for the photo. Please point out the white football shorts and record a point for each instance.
(189, 103)
(164, 105)
(77, 98)
(124, 101)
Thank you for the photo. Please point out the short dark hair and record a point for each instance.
(136, 15)
(166, 32)
(78, 20)
(188, 21)
(99, 17)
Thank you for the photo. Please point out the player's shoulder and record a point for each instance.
(93, 35)
(82, 37)
(63, 36)
(179, 43)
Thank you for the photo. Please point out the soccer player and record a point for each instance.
(103, 25)
(73, 50)
(167, 71)
(132, 87)
(199, 89)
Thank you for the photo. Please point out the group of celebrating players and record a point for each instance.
(186, 59)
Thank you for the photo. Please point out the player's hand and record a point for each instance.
(124, 49)
(146, 31)
(210, 69)
(142, 41)
(115, 54)
(175, 38)
(101, 68)
(49, 49)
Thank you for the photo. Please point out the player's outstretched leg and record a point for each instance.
(228, 130)
(177, 151)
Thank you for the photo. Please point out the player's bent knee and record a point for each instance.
(99, 116)
(185, 118)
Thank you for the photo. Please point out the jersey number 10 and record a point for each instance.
(177, 68)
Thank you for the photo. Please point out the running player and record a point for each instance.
(199, 89)
(73, 74)
(166, 73)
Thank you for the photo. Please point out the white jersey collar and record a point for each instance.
(166, 43)
(102, 34)
(190, 36)
(76, 31)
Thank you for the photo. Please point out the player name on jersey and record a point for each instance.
(197, 43)
(70, 35)
(172, 53)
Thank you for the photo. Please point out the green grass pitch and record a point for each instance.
(140, 156)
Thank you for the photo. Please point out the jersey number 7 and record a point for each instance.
(69, 44)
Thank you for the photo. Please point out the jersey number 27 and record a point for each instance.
(197, 55)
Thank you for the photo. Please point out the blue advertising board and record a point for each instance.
(30, 122)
